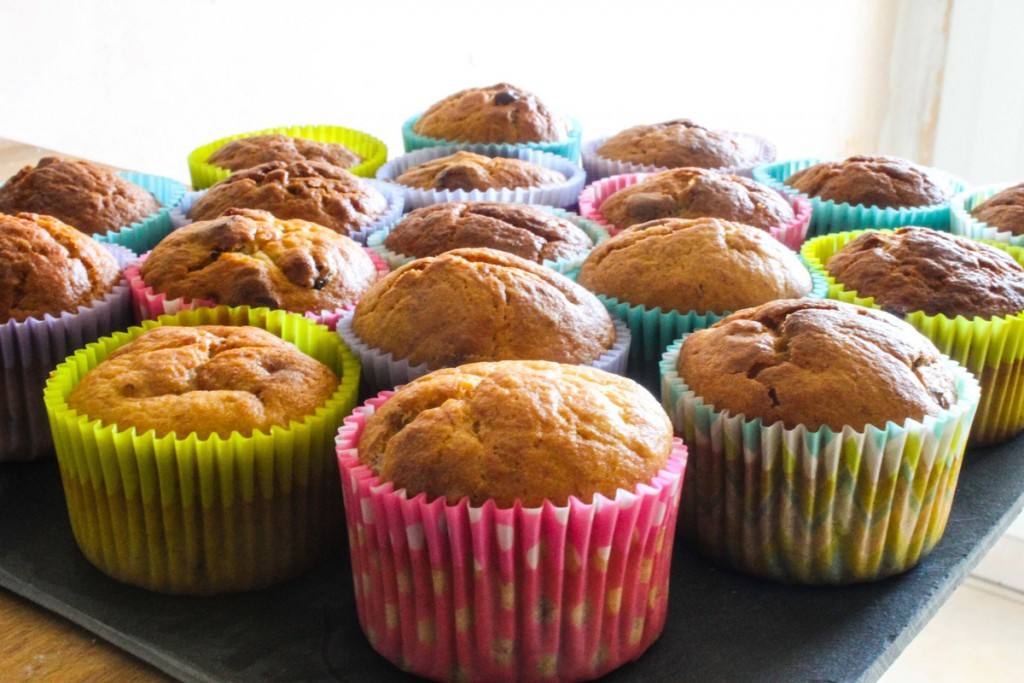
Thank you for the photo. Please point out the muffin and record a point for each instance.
(795, 413)
(581, 464)
(311, 191)
(92, 199)
(1003, 210)
(254, 150)
(674, 144)
(882, 181)
(468, 171)
(248, 257)
(697, 193)
(499, 113)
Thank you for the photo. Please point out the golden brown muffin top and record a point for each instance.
(250, 258)
(259, 149)
(520, 229)
(49, 267)
(498, 113)
(89, 198)
(704, 265)
(472, 305)
(309, 190)
(468, 171)
(1003, 210)
(678, 143)
(918, 269)
(211, 379)
(697, 193)
(885, 182)
(817, 362)
(517, 431)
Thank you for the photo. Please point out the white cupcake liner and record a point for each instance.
(964, 224)
(561, 195)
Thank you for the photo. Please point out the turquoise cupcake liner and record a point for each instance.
(816, 507)
(569, 148)
(142, 236)
(827, 216)
(595, 232)
(964, 224)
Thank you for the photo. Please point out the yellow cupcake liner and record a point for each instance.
(197, 516)
(373, 151)
(991, 348)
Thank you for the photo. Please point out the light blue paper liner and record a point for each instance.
(143, 235)
(964, 224)
(568, 148)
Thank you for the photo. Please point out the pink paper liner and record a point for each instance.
(148, 304)
(29, 350)
(455, 592)
(791, 234)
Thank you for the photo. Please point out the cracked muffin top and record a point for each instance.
(517, 431)
(468, 171)
(918, 269)
(471, 305)
(49, 267)
(89, 198)
(1003, 210)
(696, 193)
(885, 182)
(308, 190)
(678, 143)
(499, 113)
(210, 379)
(259, 149)
(250, 258)
(817, 363)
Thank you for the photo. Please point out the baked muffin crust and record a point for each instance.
(674, 144)
(497, 113)
(468, 171)
(259, 149)
(882, 181)
(1003, 210)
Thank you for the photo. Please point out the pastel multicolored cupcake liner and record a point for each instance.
(964, 224)
(188, 515)
(791, 234)
(148, 304)
(595, 232)
(393, 213)
(30, 349)
(456, 592)
(568, 148)
(382, 371)
(562, 195)
(816, 507)
(991, 348)
(373, 151)
(828, 216)
(143, 235)
(597, 166)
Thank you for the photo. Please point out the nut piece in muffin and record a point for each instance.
(918, 269)
(205, 380)
(704, 265)
(468, 171)
(259, 149)
(472, 305)
(87, 197)
(885, 182)
(697, 193)
(678, 143)
(817, 363)
(499, 113)
(517, 431)
(250, 258)
(309, 190)
(47, 267)
(520, 229)
(1003, 210)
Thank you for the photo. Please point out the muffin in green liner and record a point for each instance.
(992, 348)
(197, 516)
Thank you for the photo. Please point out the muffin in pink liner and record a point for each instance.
(455, 588)
(792, 233)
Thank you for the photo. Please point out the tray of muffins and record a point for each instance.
(508, 406)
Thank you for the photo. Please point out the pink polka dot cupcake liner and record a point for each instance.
(149, 304)
(456, 592)
(791, 234)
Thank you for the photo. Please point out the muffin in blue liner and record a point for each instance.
(568, 148)
(963, 223)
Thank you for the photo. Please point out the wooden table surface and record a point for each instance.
(36, 644)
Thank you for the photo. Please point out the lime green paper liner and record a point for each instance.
(195, 516)
(373, 151)
(991, 348)
(816, 507)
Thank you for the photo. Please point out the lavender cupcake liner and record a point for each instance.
(568, 148)
(964, 224)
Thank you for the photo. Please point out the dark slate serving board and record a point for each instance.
(721, 626)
